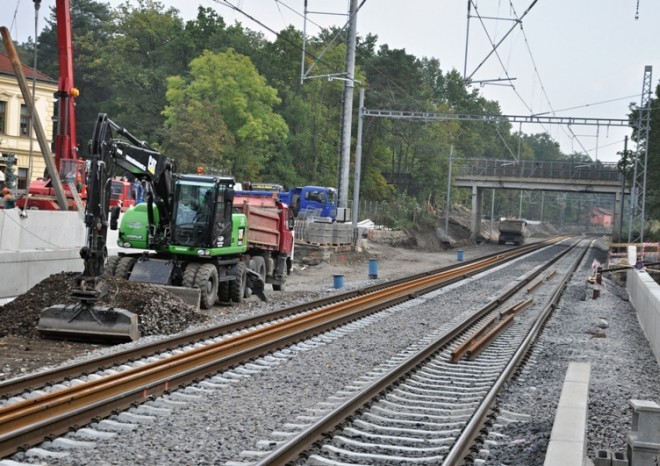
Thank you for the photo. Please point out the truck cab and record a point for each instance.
(513, 230)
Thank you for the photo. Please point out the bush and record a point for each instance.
(404, 212)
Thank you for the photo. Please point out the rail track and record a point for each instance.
(429, 404)
(27, 420)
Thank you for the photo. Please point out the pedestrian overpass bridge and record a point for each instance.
(536, 175)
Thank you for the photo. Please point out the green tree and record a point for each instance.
(224, 90)
(148, 46)
(543, 147)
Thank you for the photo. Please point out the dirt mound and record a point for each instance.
(159, 312)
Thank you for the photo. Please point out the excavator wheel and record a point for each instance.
(111, 266)
(223, 292)
(124, 267)
(237, 286)
(189, 274)
(206, 280)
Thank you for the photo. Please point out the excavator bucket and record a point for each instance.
(89, 323)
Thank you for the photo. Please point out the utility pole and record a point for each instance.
(358, 162)
(623, 186)
(347, 119)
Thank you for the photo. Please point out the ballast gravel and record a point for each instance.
(604, 332)
(221, 420)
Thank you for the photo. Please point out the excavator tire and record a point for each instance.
(189, 274)
(111, 266)
(206, 280)
(237, 286)
(223, 292)
(124, 267)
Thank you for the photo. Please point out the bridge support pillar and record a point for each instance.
(617, 218)
(477, 198)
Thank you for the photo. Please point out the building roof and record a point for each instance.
(6, 68)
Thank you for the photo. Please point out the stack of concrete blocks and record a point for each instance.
(326, 234)
(342, 233)
(644, 438)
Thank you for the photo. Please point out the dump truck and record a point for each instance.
(270, 236)
(192, 235)
(512, 231)
(319, 201)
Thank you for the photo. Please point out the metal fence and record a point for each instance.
(566, 170)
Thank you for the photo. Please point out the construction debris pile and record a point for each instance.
(160, 312)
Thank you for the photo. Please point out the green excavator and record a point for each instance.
(184, 237)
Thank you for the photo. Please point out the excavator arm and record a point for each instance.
(113, 151)
(111, 156)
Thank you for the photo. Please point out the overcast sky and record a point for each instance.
(571, 57)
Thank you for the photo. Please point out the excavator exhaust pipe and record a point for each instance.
(89, 323)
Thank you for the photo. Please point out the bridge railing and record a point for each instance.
(565, 170)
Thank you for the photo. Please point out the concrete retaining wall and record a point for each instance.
(644, 295)
(35, 246)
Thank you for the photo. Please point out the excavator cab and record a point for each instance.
(202, 215)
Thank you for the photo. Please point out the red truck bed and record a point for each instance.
(263, 220)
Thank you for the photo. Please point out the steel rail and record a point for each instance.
(470, 432)
(31, 381)
(30, 421)
(298, 444)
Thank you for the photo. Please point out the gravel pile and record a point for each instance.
(159, 312)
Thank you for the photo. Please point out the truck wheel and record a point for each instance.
(207, 281)
(111, 266)
(124, 267)
(295, 204)
(281, 286)
(237, 286)
(258, 264)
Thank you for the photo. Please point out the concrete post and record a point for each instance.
(477, 195)
(644, 439)
(617, 217)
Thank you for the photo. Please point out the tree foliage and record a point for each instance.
(224, 92)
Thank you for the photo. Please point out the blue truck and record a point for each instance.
(318, 201)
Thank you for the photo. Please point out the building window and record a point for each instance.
(25, 121)
(3, 117)
(21, 178)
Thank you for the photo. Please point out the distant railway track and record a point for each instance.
(29, 421)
